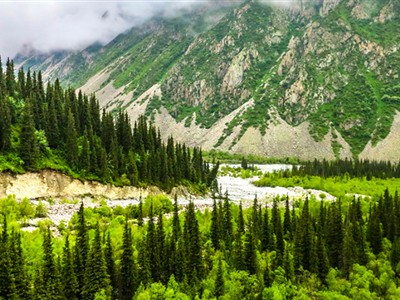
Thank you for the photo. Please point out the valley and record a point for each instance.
(210, 150)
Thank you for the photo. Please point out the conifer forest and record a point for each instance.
(304, 248)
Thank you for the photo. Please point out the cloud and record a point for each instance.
(47, 25)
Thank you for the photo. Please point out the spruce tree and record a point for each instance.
(111, 268)
(161, 250)
(277, 229)
(50, 275)
(334, 234)
(69, 280)
(287, 224)
(28, 148)
(10, 77)
(71, 142)
(374, 232)
(127, 274)
(151, 239)
(304, 240)
(219, 280)
(5, 124)
(215, 230)
(193, 255)
(250, 256)
(267, 240)
(21, 281)
(96, 277)
(140, 212)
(7, 286)
(349, 254)
(81, 250)
(227, 222)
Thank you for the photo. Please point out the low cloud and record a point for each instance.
(46, 25)
(59, 25)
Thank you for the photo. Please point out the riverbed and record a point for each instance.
(238, 189)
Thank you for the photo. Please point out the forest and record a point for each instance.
(62, 129)
(308, 249)
(281, 249)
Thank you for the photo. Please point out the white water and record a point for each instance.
(242, 189)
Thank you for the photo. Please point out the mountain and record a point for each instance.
(316, 79)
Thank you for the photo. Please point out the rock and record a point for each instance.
(327, 6)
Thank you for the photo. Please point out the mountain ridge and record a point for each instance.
(319, 81)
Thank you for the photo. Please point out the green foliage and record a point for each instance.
(159, 203)
(62, 130)
(170, 264)
(40, 210)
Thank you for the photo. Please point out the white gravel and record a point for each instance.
(238, 189)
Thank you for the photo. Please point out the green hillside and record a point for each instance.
(334, 65)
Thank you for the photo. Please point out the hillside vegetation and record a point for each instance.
(333, 67)
(51, 127)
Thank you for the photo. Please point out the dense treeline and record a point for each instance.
(60, 128)
(312, 249)
(352, 168)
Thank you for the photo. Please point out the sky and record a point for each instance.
(47, 25)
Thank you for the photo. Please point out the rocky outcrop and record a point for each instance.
(52, 184)
(327, 6)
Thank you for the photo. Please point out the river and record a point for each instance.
(238, 189)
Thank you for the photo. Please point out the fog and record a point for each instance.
(47, 25)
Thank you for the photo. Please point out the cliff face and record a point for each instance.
(50, 184)
(316, 80)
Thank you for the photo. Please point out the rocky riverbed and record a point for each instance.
(239, 189)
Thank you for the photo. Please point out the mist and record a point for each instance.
(47, 25)
(68, 25)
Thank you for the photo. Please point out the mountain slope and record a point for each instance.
(318, 80)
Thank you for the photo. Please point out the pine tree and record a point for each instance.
(7, 286)
(10, 77)
(227, 223)
(304, 240)
(250, 256)
(18, 267)
(50, 275)
(215, 230)
(71, 142)
(161, 250)
(144, 271)
(349, 256)
(28, 148)
(322, 256)
(69, 280)
(81, 250)
(219, 280)
(5, 124)
(111, 268)
(84, 157)
(140, 212)
(374, 232)
(334, 234)
(266, 241)
(277, 229)
(288, 264)
(192, 245)
(240, 222)
(96, 277)
(287, 224)
(127, 272)
(151, 239)
(175, 257)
